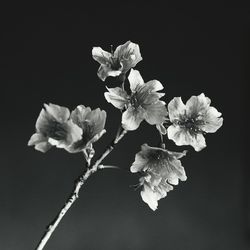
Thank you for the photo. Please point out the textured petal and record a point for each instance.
(116, 96)
(104, 71)
(179, 136)
(198, 143)
(43, 147)
(128, 54)
(98, 120)
(36, 138)
(79, 114)
(156, 113)
(135, 80)
(183, 137)
(197, 105)
(74, 132)
(101, 56)
(176, 172)
(140, 163)
(212, 119)
(43, 121)
(153, 86)
(40, 142)
(150, 197)
(132, 118)
(61, 114)
(92, 125)
(176, 108)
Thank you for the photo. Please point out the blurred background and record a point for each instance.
(45, 56)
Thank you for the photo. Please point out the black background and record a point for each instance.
(45, 56)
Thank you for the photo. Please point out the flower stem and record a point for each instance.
(75, 193)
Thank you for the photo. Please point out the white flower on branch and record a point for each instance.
(192, 120)
(54, 128)
(92, 123)
(143, 103)
(74, 132)
(125, 57)
(160, 170)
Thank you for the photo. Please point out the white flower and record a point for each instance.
(92, 123)
(54, 128)
(141, 104)
(125, 57)
(160, 169)
(192, 120)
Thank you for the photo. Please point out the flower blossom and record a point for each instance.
(92, 123)
(141, 104)
(74, 132)
(125, 57)
(191, 121)
(54, 128)
(160, 169)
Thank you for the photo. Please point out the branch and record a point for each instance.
(75, 193)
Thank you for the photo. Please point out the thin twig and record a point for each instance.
(75, 193)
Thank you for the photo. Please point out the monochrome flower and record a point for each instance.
(141, 104)
(191, 121)
(125, 57)
(92, 123)
(160, 169)
(54, 128)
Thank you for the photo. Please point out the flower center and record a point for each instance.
(134, 101)
(56, 131)
(191, 124)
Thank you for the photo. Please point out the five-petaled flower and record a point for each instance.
(92, 123)
(191, 121)
(125, 57)
(54, 128)
(141, 104)
(160, 169)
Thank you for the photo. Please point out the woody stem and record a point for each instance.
(75, 193)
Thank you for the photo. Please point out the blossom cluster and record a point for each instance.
(159, 169)
(74, 132)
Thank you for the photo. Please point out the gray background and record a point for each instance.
(45, 57)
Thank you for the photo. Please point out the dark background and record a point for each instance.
(45, 56)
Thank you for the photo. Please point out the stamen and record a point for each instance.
(111, 49)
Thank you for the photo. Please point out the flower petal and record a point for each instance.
(74, 132)
(197, 105)
(135, 80)
(176, 108)
(140, 163)
(212, 119)
(132, 118)
(153, 86)
(176, 172)
(97, 119)
(128, 54)
(60, 113)
(101, 56)
(43, 121)
(117, 96)
(43, 146)
(156, 113)
(36, 138)
(182, 137)
(79, 114)
(104, 71)
(150, 197)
